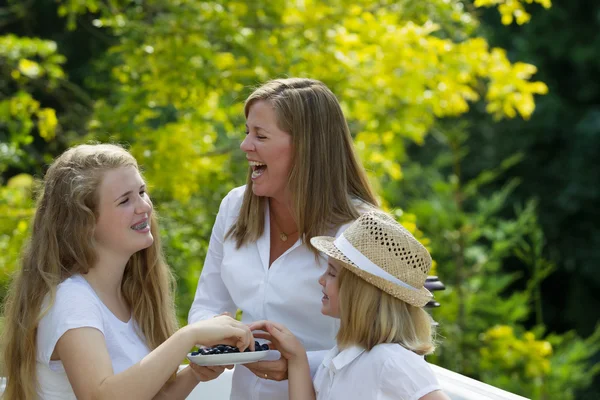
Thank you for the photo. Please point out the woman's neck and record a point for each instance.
(283, 214)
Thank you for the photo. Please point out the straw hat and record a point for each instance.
(382, 252)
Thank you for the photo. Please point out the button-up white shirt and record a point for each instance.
(387, 372)
(288, 292)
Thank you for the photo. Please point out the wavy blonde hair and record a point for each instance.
(326, 175)
(61, 245)
(369, 316)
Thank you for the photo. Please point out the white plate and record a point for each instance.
(227, 359)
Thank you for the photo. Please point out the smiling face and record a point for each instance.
(268, 150)
(124, 209)
(330, 283)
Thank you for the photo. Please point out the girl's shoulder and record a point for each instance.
(397, 362)
(395, 353)
(75, 305)
(75, 288)
(74, 299)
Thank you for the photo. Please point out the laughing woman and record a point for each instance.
(304, 180)
(90, 315)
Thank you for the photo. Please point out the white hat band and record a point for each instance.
(365, 264)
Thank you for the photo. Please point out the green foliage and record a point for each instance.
(552, 368)
(486, 306)
(28, 66)
(512, 10)
(560, 144)
(180, 81)
(16, 211)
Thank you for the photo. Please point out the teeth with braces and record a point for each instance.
(140, 226)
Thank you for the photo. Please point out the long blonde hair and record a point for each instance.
(61, 245)
(369, 316)
(326, 175)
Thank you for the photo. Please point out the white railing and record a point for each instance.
(456, 386)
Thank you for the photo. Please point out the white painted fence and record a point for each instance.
(456, 386)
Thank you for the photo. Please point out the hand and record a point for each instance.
(281, 339)
(222, 330)
(273, 370)
(205, 374)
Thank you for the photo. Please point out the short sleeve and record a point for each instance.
(407, 378)
(75, 306)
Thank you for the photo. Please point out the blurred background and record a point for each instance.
(478, 122)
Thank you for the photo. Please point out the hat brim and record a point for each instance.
(417, 298)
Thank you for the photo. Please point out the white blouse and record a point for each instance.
(387, 372)
(288, 292)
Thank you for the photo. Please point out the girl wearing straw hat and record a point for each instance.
(374, 285)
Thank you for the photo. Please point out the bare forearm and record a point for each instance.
(146, 378)
(300, 381)
(180, 388)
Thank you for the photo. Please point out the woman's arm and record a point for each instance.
(88, 366)
(212, 297)
(187, 379)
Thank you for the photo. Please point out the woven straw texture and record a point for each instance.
(391, 247)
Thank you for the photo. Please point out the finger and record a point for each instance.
(242, 338)
(277, 333)
(202, 370)
(274, 326)
(254, 367)
(216, 368)
(261, 335)
(204, 374)
(256, 371)
(258, 325)
(271, 366)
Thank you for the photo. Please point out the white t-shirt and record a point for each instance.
(387, 372)
(77, 306)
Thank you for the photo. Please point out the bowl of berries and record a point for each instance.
(223, 354)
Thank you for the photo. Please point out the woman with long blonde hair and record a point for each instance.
(304, 179)
(90, 314)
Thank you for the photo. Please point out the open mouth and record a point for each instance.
(141, 226)
(258, 168)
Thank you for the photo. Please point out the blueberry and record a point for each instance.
(195, 353)
(247, 350)
(265, 347)
(256, 345)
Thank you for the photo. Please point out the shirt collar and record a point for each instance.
(337, 359)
